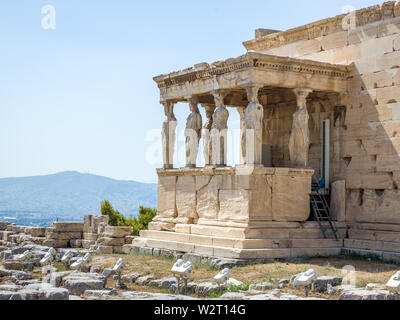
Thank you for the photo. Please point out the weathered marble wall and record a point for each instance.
(366, 133)
(278, 119)
(224, 195)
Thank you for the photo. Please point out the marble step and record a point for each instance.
(235, 253)
(241, 243)
(308, 231)
(376, 245)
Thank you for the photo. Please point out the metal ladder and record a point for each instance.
(322, 212)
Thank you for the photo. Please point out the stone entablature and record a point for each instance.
(269, 70)
(385, 11)
(232, 196)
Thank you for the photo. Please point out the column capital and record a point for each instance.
(252, 90)
(219, 96)
(169, 109)
(301, 95)
(192, 99)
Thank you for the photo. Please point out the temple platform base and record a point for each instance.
(278, 241)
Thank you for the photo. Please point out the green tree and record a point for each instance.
(117, 219)
(146, 215)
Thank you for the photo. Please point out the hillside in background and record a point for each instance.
(68, 196)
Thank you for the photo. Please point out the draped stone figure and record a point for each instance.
(299, 142)
(168, 135)
(219, 131)
(193, 134)
(207, 146)
(252, 128)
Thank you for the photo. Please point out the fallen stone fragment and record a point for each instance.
(130, 278)
(142, 281)
(56, 278)
(362, 294)
(108, 272)
(96, 294)
(9, 295)
(262, 297)
(321, 284)
(261, 286)
(133, 295)
(234, 282)
(233, 296)
(21, 275)
(206, 288)
(10, 287)
(163, 283)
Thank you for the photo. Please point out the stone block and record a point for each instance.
(362, 294)
(362, 34)
(117, 232)
(338, 200)
(60, 235)
(56, 243)
(67, 226)
(166, 197)
(106, 249)
(90, 236)
(186, 197)
(111, 241)
(207, 197)
(308, 47)
(334, 40)
(234, 205)
(396, 44)
(389, 61)
(389, 27)
(76, 243)
(293, 205)
(377, 80)
(117, 249)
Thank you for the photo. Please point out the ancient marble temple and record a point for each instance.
(320, 102)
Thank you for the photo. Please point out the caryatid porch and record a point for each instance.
(236, 211)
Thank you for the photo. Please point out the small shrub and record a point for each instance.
(117, 219)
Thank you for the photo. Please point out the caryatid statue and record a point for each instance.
(168, 135)
(299, 142)
(194, 125)
(206, 135)
(252, 131)
(219, 130)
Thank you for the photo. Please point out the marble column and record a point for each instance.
(206, 134)
(219, 130)
(194, 125)
(252, 127)
(299, 142)
(168, 134)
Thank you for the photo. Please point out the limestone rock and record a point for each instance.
(142, 281)
(163, 283)
(117, 232)
(206, 288)
(321, 284)
(233, 296)
(361, 294)
(130, 278)
(261, 286)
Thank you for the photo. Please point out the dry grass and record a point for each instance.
(159, 267)
(367, 271)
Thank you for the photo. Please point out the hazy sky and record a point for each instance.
(81, 97)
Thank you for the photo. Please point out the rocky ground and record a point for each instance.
(149, 278)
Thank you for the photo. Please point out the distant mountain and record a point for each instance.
(68, 196)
